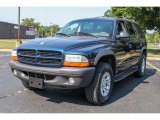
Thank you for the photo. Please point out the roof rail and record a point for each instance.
(122, 17)
(126, 18)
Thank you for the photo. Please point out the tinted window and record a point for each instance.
(139, 30)
(131, 29)
(120, 28)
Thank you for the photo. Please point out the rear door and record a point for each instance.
(133, 44)
(140, 38)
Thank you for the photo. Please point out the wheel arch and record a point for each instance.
(107, 56)
(143, 51)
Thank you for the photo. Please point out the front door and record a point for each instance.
(122, 49)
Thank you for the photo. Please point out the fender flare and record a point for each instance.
(102, 54)
(143, 48)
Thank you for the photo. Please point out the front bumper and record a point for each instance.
(81, 76)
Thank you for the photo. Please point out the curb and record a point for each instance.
(5, 50)
(152, 58)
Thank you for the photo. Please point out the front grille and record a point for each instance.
(50, 54)
(28, 52)
(40, 57)
(27, 59)
(48, 61)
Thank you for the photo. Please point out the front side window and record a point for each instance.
(120, 27)
(100, 28)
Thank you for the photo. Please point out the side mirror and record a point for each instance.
(122, 35)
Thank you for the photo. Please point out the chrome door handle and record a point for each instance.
(130, 45)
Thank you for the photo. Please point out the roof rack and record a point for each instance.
(126, 18)
(122, 17)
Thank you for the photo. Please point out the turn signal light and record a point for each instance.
(14, 58)
(76, 64)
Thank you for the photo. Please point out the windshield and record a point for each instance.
(100, 28)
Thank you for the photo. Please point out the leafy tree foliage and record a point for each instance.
(30, 22)
(149, 38)
(147, 17)
(41, 30)
(54, 29)
(157, 37)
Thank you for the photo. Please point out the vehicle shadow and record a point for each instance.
(126, 86)
(77, 96)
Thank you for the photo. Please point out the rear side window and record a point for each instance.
(131, 29)
(139, 30)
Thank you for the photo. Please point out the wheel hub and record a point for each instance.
(143, 66)
(105, 84)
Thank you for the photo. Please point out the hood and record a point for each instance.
(62, 43)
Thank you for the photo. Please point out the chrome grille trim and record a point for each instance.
(40, 57)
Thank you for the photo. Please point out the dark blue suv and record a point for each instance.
(90, 53)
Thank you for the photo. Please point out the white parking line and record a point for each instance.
(153, 66)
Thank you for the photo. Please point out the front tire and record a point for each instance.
(101, 87)
(141, 67)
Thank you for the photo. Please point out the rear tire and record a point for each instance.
(101, 87)
(141, 67)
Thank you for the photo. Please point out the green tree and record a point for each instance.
(30, 22)
(147, 17)
(149, 38)
(54, 29)
(157, 37)
(48, 30)
(42, 31)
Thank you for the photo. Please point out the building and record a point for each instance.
(10, 31)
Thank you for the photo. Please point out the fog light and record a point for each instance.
(22, 75)
(15, 72)
(71, 81)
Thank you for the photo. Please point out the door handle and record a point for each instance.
(130, 45)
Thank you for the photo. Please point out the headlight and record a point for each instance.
(76, 61)
(14, 55)
(75, 58)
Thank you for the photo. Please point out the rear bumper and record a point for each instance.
(81, 76)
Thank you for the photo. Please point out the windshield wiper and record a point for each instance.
(63, 34)
(102, 36)
(84, 33)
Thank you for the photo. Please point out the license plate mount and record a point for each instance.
(36, 83)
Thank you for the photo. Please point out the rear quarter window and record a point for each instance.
(139, 30)
(131, 29)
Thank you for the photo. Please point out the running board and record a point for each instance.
(125, 74)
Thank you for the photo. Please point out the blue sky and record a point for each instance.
(48, 15)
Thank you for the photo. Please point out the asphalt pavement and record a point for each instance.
(131, 95)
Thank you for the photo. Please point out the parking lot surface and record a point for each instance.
(131, 95)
